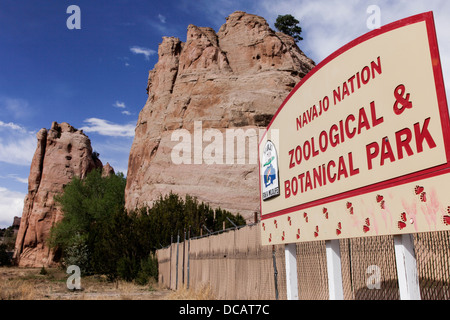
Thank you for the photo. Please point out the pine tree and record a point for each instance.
(289, 25)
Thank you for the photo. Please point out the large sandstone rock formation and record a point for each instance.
(62, 153)
(234, 79)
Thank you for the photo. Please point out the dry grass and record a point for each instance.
(29, 284)
(204, 292)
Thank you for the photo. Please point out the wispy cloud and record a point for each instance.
(162, 18)
(16, 108)
(107, 128)
(144, 51)
(17, 145)
(11, 125)
(126, 112)
(11, 205)
(119, 104)
(15, 177)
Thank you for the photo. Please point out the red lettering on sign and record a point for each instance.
(331, 164)
(363, 122)
(402, 140)
(422, 135)
(373, 113)
(353, 171)
(287, 189)
(291, 163)
(386, 151)
(334, 142)
(403, 144)
(371, 154)
(349, 133)
(342, 168)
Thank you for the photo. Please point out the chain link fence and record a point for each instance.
(235, 266)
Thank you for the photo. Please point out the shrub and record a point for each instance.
(98, 235)
(149, 270)
(5, 259)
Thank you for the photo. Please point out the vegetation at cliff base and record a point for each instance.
(7, 241)
(101, 237)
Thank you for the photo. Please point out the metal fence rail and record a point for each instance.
(235, 266)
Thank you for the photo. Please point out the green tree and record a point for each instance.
(289, 25)
(172, 215)
(101, 237)
(87, 204)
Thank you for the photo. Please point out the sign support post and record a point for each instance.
(408, 279)
(290, 254)
(335, 288)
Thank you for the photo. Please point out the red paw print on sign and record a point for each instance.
(446, 218)
(350, 207)
(380, 200)
(305, 215)
(423, 197)
(339, 229)
(420, 191)
(325, 212)
(401, 224)
(366, 227)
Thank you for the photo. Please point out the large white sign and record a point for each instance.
(363, 142)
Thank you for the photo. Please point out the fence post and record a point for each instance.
(290, 255)
(184, 253)
(275, 272)
(335, 288)
(170, 264)
(405, 257)
(176, 265)
(189, 255)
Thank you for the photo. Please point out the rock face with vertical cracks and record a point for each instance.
(62, 152)
(229, 82)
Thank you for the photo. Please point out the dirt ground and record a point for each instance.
(31, 284)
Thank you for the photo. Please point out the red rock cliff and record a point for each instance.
(233, 79)
(62, 153)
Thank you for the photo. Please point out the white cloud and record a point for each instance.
(106, 128)
(17, 145)
(330, 24)
(11, 205)
(141, 50)
(15, 177)
(15, 107)
(125, 112)
(11, 125)
(119, 104)
(162, 18)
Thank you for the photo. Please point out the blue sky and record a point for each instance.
(95, 77)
